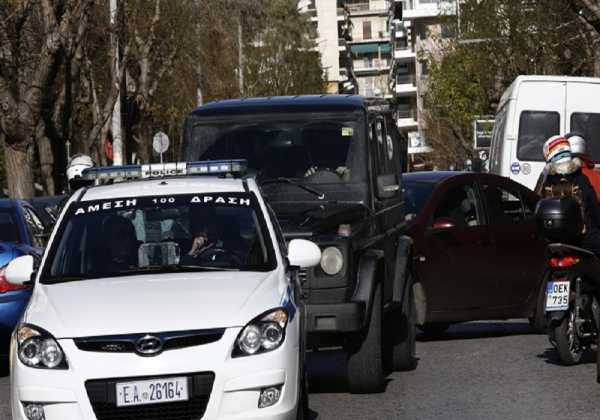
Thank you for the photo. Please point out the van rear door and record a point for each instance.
(583, 114)
(540, 108)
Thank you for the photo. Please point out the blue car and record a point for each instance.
(21, 232)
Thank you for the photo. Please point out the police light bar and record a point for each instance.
(161, 170)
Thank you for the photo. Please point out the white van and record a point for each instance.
(535, 108)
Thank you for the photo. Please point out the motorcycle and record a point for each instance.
(571, 304)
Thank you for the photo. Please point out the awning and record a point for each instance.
(371, 48)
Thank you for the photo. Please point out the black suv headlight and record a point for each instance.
(332, 260)
(37, 348)
(263, 334)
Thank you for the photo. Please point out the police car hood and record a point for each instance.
(154, 303)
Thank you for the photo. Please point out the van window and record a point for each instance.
(588, 125)
(535, 127)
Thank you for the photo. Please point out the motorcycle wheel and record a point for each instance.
(567, 342)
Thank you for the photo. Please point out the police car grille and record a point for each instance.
(102, 395)
(171, 341)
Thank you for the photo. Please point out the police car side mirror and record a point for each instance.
(303, 253)
(387, 186)
(19, 271)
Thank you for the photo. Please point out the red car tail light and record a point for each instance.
(6, 286)
(567, 261)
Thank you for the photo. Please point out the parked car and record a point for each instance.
(476, 248)
(330, 168)
(171, 297)
(21, 233)
(535, 108)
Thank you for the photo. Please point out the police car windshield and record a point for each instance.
(307, 147)
(137, 235)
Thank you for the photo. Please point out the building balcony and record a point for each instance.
(405, 89)
(370, 66)
(415, 9)
(409, 123)
(364, 9)
(381, 36)
(404, 54)
(406, 117)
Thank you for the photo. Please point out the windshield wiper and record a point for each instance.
(67, 278)
(282, 180)
(175, 268)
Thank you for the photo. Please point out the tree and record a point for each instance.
(29, 62)
(282, 60)
(497, 41)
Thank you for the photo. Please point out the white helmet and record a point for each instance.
(77, 164)
(577, 143)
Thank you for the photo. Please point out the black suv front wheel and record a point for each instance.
(365, 356)
(401, 332)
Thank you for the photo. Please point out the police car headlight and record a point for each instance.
(332, 260)
(264, 333)
(36, 348)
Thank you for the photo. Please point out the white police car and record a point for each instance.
(164, 298)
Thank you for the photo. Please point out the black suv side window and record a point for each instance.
(392, 147)
(378, 146)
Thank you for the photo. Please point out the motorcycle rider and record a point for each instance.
(578, 151)
(75, 167)
(564, 177)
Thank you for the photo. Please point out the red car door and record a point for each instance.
(518, 248)
(456, 254)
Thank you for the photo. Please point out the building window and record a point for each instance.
(367, 30)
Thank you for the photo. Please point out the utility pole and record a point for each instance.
(116, 115)
(240, 56)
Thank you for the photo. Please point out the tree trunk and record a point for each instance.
(46, 163)
(19, 172)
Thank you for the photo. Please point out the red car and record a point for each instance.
(477, 252)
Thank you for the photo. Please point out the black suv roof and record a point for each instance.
(303, 103)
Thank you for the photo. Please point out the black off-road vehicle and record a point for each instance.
(330, 168)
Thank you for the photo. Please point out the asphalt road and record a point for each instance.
(484, 370)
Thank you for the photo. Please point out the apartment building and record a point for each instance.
(371, 47)
(354, 41)
(413, 26)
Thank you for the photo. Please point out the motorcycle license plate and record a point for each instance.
(557, 296)
(155, 391)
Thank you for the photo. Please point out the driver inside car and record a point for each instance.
(121, 243)
(202, 224)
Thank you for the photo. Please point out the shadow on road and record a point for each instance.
(550, 356)
(480, 329)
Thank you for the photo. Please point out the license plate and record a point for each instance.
(557, 295)
(154, 391)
